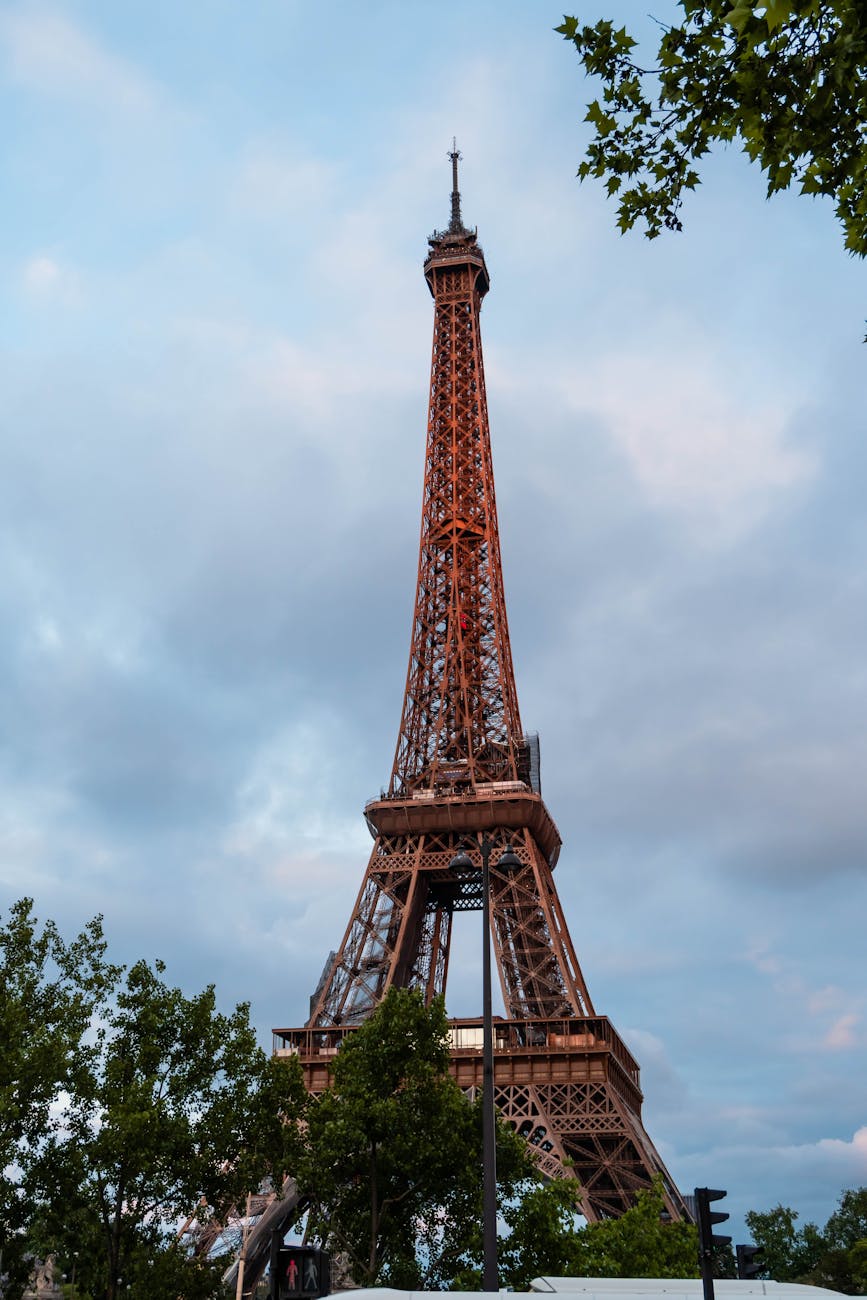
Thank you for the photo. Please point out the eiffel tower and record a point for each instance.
(464, 770)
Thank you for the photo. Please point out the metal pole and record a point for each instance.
(242, 1258)
(489, 1147)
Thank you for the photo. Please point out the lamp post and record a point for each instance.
(462, 863)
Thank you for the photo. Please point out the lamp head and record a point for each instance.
(509, 860)
(462, 862)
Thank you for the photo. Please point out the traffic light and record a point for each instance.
(707, 1219)
(300, 1273)
(751, 1261)
(707, 1238)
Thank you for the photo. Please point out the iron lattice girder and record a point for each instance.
(404, 912)
(460, 721)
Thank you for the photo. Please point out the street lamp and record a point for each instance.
(460, 864)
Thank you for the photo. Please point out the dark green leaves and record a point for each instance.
(392, 1144)
(48, 992)
(787, 79)
(124, 1105)
(833, 1257)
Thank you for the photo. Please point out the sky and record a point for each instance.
(214, 360)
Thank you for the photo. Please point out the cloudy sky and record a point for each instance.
(214, 351)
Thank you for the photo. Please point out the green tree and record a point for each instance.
(394, 1153)
(858, 1266)
(393, 1170)
(847, 1226)
(789, 1252)
(842, 1264)
(640, 1243)
(176, 1106)
(786, 80)
(543, 1240)
(48, 992)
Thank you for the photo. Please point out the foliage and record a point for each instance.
(847, 1226)
(393, 1167)
(393, 1159)
(640, 1243)
(123, 1106)
(834, 1257)
(48, 991)
(789, 1252)
(544, 1240)
(842, 1264)
(176, 1107)
(785, 79)
(452, 1244)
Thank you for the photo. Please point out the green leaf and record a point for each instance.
(739, 17)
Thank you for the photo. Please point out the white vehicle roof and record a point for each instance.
(611, 1288)
(621, 1288)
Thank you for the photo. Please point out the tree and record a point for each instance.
(48, 992)
(640, 1243)
(393, 1170)
(835, 1257)
(789, 1252)
(393, 1162)
(847, 1226)
(785, 79)
(176, 1106)
(842, 1265)
(543, 1240)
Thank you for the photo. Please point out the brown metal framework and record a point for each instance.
(463, 767)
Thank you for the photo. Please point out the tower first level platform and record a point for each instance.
(569, 1086)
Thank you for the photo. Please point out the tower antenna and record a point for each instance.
(456, 224)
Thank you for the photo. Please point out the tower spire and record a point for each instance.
(456, 225)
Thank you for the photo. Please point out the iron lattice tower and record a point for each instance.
(464, 768)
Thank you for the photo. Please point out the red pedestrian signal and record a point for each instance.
(300, 1273)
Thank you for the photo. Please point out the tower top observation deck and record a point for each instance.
(457, 244)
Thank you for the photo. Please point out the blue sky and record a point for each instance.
(214, 351)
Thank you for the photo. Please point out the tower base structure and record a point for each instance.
(569, 1086)
(563, 1077)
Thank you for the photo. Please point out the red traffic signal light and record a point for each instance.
(300, 1273)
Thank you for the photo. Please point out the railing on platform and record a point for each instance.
(567, 1035)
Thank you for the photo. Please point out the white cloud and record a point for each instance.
(843, 1159)
(837, 1011)
(48, 53)
(278, 183)
(286, 803)
(697, 445)
(47, 280)
(806, 1175)
(765, 962)
(842, 1035)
